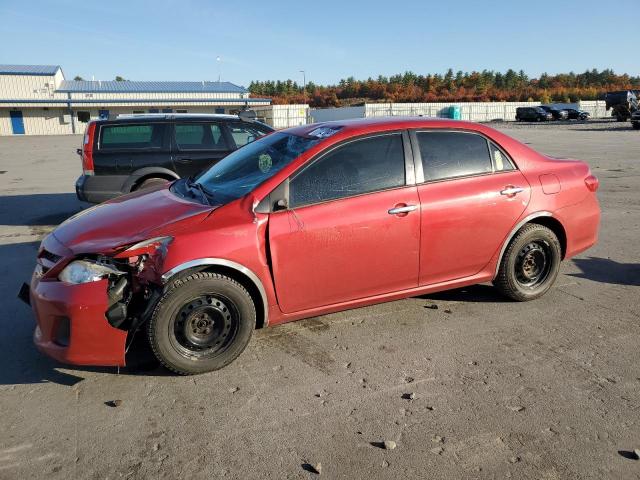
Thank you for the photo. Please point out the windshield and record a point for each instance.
(246, 168)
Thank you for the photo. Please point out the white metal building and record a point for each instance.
(37, 100)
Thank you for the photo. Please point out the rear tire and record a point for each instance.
(530, 263)
(201, 323)
(152, 182)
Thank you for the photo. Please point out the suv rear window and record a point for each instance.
(130, 136)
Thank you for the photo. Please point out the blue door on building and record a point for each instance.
(17, 124)
(167, 110)
(103, 114)
(219, 110)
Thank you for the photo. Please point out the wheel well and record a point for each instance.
(141, 180)
(239, 277)
(556, 227)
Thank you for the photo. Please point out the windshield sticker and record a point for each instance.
(324, 132)
(265, 162)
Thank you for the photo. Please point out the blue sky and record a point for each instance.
(180, 40)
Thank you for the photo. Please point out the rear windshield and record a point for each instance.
(130, 136)
(240, 172)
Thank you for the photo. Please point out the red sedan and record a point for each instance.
(304, 222)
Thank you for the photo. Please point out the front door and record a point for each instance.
(472, 197)
(197, 146)
(17, 123)
(352, 228)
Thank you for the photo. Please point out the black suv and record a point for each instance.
(139, 151)
(532, 114)
(556, 113)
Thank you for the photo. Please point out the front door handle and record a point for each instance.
(405, 209)
(510, 191)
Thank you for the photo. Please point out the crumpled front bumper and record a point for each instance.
(71, 323)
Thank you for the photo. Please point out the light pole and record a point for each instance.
(304, 85)
(219, 60)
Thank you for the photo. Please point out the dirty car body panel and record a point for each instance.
(422, 222)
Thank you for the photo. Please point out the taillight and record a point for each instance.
(592, 182)
(87, 149)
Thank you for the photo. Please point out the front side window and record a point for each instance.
(243, 170)
(453, 154)
(199, 136)
(130, 136)
(243, 134)
(361, 166)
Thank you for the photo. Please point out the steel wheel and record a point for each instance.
(204, 326)
(202, 322)
(532, 265)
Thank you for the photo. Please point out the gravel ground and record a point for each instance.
(478, 388)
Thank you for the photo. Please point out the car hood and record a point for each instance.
(128, 219)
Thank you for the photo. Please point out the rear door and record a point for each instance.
(471, 195)
(127, 147)
(352, 229)
(197, 146)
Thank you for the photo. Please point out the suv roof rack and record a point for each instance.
(176, 115)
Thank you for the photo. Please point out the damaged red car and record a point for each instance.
(304, 222)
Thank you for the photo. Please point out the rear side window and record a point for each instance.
(243, 134)
(361, 166)
(199, 136)
(501, 163)
(453, 154)
(130, 136)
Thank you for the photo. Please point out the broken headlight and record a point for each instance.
(85, 271)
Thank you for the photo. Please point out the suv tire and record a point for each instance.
(151, 182)
(201, 323)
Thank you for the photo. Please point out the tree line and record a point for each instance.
(485, 86)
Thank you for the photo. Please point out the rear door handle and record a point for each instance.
(405, 209)
(183, 160)
(511, 191)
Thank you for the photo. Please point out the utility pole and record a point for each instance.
(304, 85)
(219, 60)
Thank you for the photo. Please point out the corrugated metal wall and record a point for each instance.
(474, 112)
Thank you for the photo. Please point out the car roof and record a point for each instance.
(183, 117)
(357, 126)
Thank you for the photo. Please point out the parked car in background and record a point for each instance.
(532, 114)
(134, 152)
(304, 222)
(635, 120)
(577, 114)
(556, 113)
(622, 104)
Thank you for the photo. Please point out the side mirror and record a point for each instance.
(281, 204)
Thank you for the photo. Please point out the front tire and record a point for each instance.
(636, 125)
(201, 323)
(530, 264)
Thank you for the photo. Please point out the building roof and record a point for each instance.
(129, 86)
(29, 69)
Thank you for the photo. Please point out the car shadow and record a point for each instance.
(605, 270)
(39, 209)
(21, 362)
(475, 293)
